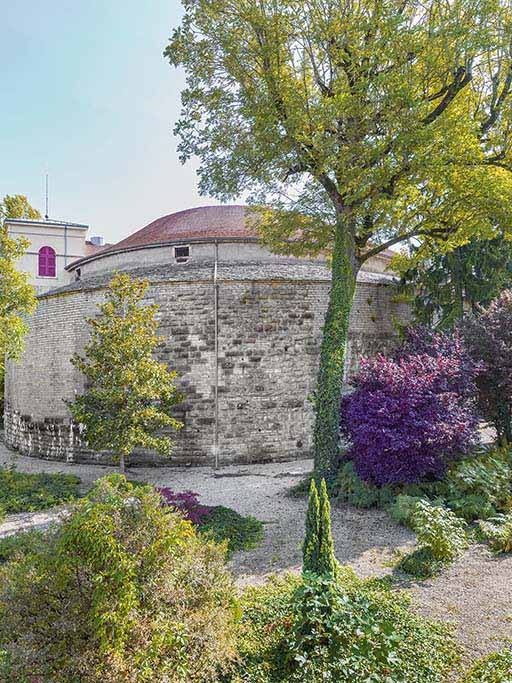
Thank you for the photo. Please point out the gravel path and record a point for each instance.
(474, 593)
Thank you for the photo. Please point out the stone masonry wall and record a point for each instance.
(269, 338)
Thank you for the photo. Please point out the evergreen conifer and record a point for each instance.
(318, 548)
(310, 548)
(327, 564)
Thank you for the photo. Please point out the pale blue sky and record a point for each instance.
(86, 93)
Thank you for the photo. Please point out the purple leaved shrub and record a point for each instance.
(465, 369)
(187, 502)
(488, 337)
(411, 414)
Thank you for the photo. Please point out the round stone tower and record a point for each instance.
(241, 326)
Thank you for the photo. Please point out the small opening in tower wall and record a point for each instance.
(181, 254)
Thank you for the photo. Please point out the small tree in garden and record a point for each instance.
(318, 548)
(488, 337)
(411, 414)
(128, 394)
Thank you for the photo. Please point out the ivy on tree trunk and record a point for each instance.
(345, 267)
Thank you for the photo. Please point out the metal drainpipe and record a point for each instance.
(216, 388)
(65, 245)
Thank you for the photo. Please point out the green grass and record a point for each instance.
(21, 492)
(225, 524)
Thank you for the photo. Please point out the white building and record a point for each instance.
(53, 246)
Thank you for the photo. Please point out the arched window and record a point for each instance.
(46, 266)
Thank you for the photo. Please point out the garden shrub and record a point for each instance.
(21, 544)
(439, 530)
(478, 488)
(352, 490)
(488, 337)
(410, 415)
(420, 563)
(421, 340)
(495, 668)
(319, 629)
(498, 531)
(187, 502)
(403, 509)
(125, 591)
(21, 492)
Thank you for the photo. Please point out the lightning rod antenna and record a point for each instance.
(46, 215)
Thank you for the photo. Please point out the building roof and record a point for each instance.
(44, 221)
(223, 222)
(91, 248)
(203, 222)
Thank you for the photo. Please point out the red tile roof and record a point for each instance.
(91, 248)
(202, 222)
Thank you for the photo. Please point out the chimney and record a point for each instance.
(97, 240)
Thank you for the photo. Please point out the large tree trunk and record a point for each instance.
(122, 465)
(345, 267)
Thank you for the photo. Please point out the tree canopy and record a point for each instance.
(17, 206)
(442, 286)
(17, 296)
(397, 111)
(358, 124)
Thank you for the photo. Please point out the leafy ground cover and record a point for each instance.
(22, 492)
(472, 501)
(220, 523)
(225, 524)
(30, 492)
(496, 668)
(471, 592)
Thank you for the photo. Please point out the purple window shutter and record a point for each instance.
(47, 262)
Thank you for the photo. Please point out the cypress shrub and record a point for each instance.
(318, 548)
